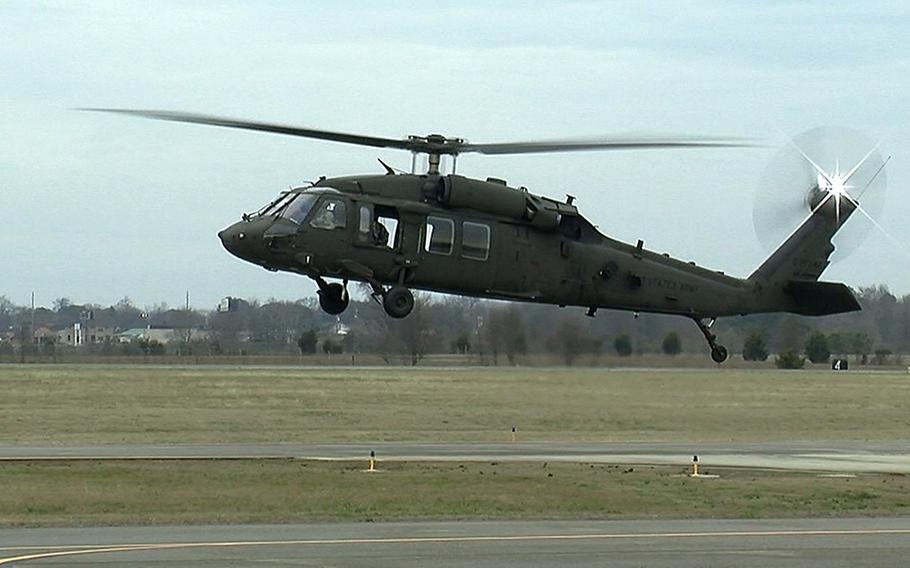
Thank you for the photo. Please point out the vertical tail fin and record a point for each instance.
(807, 251)
(792, 271)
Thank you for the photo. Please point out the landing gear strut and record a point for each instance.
(718, 352)
(333, 298)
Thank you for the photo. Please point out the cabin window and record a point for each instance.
(439, 235)
(385, 227)
(475, 240)
(380, 231)
(330, 214)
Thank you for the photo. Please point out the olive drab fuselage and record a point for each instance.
(479, 238)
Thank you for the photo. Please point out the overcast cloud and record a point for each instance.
(97, 207)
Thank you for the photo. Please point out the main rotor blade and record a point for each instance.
(436, 144)
(175, 116)
(630, 142)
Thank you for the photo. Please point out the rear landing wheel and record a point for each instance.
(398, 301)
(718, 352)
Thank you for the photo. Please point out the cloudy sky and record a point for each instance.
(97, 207)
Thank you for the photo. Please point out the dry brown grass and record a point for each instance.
(149, 404)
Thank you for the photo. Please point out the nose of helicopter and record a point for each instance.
(254, 240)
(237, 238)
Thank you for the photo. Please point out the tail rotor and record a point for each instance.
(833, 170)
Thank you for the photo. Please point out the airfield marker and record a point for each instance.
(700, 475)
(372, 461)
(513, 433)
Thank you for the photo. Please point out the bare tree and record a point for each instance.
(413, 334)
(505, 332)
(567, 339)
(573, 337)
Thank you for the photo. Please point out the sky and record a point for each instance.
(97, 207)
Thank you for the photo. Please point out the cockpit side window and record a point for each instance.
(297, 209)
(331, 214)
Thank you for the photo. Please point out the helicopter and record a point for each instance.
(442, 232)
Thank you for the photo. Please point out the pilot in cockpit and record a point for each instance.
(330, 216)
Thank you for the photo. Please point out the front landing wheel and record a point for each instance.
(719, 354)
(398, 301)
(333, 299)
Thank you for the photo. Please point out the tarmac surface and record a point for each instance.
(734, 543)
(841, 457)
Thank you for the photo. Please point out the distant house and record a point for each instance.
(163, 335)
(340, 329)
(43, 335)
(76, 335)
(199, 335)
(336, 335)
(70, 335)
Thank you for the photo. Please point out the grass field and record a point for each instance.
(71, 404)
(269, 491)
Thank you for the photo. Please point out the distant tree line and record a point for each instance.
(495, 333)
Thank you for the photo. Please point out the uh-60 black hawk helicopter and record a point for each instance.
(457, 235)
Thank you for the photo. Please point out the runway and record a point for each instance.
(805, 543)
(847, 457)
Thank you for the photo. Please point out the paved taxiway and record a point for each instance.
(848, 457)
(777, 543)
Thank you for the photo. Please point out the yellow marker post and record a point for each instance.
(695, 472)
(372, 461)
(513, 433)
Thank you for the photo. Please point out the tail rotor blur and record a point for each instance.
(833, 169)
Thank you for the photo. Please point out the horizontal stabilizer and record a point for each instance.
(821, 298)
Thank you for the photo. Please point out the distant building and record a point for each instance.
(44, 335)
(137, 334)
(337, 334)
(163, 335)
(76, 335)
(340, 329)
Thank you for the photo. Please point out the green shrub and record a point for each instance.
(671, 345)
(817, 347)
(789, 360)
(623, 346)
(754, 348)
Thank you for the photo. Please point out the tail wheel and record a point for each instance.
(398, 302)
(719, 353)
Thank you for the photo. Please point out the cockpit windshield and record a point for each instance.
(294, 205)
(272, 207)
(296, 210)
